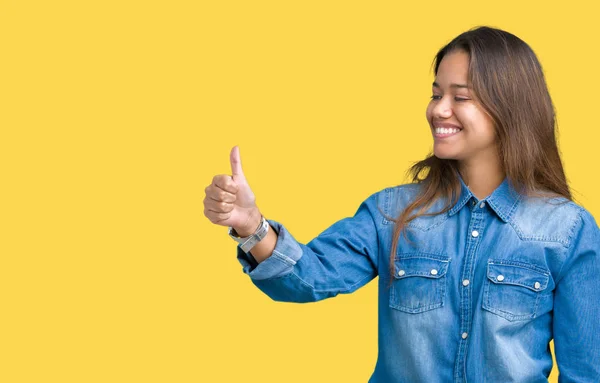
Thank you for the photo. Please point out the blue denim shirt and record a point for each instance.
(477, 294)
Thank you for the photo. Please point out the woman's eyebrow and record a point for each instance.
(453, 85)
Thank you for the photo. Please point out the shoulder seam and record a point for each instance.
(568, 248)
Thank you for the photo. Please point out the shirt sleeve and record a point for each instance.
(341, 259)
(577, 306)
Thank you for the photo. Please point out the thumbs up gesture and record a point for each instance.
(229, 201)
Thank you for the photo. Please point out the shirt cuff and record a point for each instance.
(285, 255)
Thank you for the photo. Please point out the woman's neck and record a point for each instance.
(482, 177)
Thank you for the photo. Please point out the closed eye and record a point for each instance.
(459, 99)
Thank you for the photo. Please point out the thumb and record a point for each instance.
(236, 162)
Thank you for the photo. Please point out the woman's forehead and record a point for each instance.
(453, 71)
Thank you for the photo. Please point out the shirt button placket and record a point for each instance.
(478, 213)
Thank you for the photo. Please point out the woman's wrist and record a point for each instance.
(252, 224)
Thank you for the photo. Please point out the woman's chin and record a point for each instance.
(445, 155)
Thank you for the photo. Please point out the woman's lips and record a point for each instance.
(444, 135)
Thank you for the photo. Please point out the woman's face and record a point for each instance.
(460, 127)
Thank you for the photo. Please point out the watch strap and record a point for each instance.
(247, 243)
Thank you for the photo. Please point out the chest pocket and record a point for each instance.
(516, 291)
(419, 283)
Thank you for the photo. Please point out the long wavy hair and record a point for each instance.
(508, 82)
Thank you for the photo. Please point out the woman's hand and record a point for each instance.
(229, 201)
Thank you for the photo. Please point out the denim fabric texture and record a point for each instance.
(477, 294)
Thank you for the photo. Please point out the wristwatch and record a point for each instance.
(247, 243)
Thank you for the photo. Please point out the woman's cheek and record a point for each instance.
(428, 111)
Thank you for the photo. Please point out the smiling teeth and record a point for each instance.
(446, 130)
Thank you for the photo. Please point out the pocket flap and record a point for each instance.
(422, 266)
(520, 275)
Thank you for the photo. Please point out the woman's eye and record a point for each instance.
(459, 99)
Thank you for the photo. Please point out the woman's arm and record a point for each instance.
(577, 306)
(340, 260)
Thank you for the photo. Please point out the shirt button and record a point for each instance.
(500, 278)
(482, 205)
(434, 272)
(473, 202)
(464, 335)
(537, 285)
(465, 282)
(475, 233)
(401, 272)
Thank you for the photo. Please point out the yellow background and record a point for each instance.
(114, 117)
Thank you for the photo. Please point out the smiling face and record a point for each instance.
(461, 129)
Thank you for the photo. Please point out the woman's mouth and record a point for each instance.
(445, 132)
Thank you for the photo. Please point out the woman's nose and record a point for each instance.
(443, 108)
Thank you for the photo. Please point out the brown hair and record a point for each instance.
(507, 80)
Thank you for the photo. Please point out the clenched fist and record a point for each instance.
(229, 201)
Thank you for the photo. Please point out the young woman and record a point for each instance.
(482, 260)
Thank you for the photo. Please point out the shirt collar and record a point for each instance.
(503, 200)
